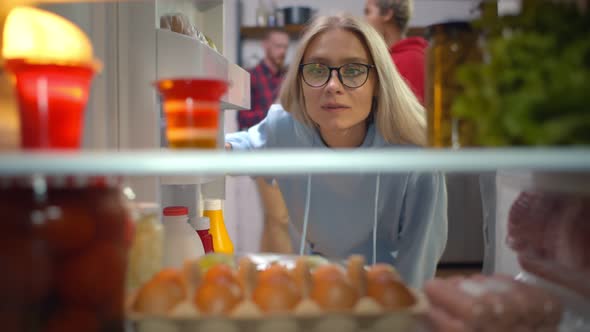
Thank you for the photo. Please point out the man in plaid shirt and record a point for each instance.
(266, 78)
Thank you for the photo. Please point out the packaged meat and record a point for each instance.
(458, 302)
(502, 304)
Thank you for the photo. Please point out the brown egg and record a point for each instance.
(219, 273)
(164, 291)
(247, 275)
(331, 290)
(386, 271)
(302, 276)
(276, 290)
(219, 292)
(384, 286)
(274, 274)
(94, 276)
(357, 274)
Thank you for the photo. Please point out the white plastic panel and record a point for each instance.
(182, 56)
(238, 96)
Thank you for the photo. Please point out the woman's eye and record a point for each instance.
(352, 71)
(317, 70)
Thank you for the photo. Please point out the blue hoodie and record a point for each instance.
(411, 218)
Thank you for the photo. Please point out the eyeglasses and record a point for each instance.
(352, 75)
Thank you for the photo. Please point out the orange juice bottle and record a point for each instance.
(221, 240)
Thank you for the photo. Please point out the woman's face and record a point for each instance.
(335, 107)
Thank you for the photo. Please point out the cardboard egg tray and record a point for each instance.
(408, 319)
(367, 315)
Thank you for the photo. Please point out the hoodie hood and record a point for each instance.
(409, 57)
(410, 44)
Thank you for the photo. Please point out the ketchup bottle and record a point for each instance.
(202, 225)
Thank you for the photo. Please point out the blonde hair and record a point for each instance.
(398, 115)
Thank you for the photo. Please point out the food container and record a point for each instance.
(405, 319)
(191, 107)
(146, 252)
(543, 230)
(52, 99)
(50, 62)
(63, 254)
(452, 45)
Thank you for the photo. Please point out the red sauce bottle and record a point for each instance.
(202, 225)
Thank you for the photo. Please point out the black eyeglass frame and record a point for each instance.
(337, 69)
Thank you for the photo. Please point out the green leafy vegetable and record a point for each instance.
(535, 88)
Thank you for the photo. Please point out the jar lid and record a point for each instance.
(172, 211)
(201, 223)
(212, 204)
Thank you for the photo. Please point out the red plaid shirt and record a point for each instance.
(264, 90)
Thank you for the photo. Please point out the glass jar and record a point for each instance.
(146, 253)
(452, 44)
(63, 254)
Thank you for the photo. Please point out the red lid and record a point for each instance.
(176, 211)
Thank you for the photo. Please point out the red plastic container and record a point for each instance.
(52, 99)
(192, 111)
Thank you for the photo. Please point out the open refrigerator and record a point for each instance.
(124, 141)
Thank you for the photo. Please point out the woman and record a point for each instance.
(342, 91)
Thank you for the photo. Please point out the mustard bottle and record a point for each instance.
(221, 240)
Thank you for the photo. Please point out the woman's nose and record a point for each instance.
(334, 81)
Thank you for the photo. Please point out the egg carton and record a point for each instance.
(407, 319)
(366, 315)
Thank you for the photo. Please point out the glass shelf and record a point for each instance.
(187, 179)
(280, 162)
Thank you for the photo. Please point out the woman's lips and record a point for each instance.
(334, 108)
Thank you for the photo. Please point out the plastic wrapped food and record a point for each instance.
(543, 219)
(549, 232)
(491, 303)
(178, 23)
(145, 255)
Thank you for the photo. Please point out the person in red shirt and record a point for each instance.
(390, 18)
(266, 78)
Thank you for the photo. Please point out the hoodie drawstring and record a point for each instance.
(305, 216)
(375, 217)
